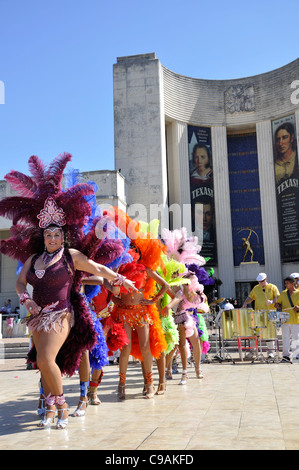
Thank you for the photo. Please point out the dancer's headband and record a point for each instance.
(51, 214)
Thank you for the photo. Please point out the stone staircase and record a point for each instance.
(15, 349)
(18, 347)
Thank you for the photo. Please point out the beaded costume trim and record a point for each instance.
(134, 315)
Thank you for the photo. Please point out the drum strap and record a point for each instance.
(290, 299)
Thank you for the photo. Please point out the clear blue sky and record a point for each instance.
(56, 60)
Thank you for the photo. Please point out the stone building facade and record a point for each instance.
(160, 115)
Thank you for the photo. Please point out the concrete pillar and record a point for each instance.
(178, 176)
(268, 202)
(222, 212)
(139, 131)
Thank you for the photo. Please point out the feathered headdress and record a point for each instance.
(149, 247)
(182, 248)
(42, 201)
(202, 275)
(103, 241)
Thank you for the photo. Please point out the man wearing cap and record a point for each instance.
(288, 301)
(264, 295)
(296, 277)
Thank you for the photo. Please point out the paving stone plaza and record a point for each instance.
(239, 406)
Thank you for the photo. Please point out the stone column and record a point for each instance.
(139, 131)
(268, 202)
(222, 212)
(178, 175)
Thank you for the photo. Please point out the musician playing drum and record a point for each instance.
(288, 301)
(264, 295)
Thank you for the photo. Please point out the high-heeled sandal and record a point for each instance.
(62, 422)
(78, 411)
(41, 410)
(199, 374)
(93, 398)
(149, 389)
(121, 391)
(184, 379)
(46, 422)
(121, 394)
(168, 374)
(49, 402)
(161, 389)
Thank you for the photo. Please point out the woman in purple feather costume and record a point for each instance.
(58, 316)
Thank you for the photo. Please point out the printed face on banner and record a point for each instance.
(202, 190)
(286, 170)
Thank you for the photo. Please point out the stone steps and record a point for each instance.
(16, 350)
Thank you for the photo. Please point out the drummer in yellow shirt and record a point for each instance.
(264, 295)
(288, 301)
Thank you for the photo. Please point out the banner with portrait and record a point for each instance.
(287, 185)
(202, 190)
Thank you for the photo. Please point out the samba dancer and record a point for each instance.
(185, 250)
(138, 312)
(186, 299)
(58, 318)
(92, 362)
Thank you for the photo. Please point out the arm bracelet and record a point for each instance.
(23, 297)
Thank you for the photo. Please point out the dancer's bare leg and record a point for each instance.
(161, 365)
(47, 346)
(184, 353)
(169, 359)
(195, 342)
(96, 378)
(84, 375)
(123, 363)
(144, 344)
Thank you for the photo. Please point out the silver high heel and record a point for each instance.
(62, 423)
(184, 379)
(41, 410)
(79, 411)
(45, 422)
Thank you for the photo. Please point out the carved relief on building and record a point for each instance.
(239, 98)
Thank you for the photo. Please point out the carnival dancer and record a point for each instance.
(138, 312)
(204, 278)
(187, 329)
(94, 360)
(185, 250)
(169, 327)
(103, 228)
(58, 317)
(111, 337)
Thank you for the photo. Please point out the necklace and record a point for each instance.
(48, 257)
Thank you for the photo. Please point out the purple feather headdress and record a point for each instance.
(201, 274)
(44, 186)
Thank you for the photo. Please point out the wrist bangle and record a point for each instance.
(23, 297)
